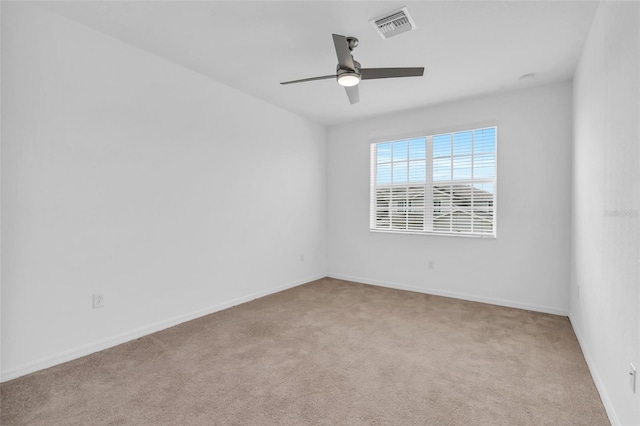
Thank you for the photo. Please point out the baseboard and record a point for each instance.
(456, 295)
(608, 406)
(109, 342)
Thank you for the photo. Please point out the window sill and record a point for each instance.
(438, 234)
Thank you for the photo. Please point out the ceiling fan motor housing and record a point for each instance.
(348, 77)
(340, 71)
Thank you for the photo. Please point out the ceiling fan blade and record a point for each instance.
(372, 73)
(345, 60)
(324, 77)
(353, 93)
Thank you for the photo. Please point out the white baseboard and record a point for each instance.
(456, 295)
(606, 401)
(109, 342)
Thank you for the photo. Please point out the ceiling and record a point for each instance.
(467, 48)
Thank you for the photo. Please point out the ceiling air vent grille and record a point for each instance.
(394, 23)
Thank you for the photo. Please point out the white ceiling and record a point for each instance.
(467, 48)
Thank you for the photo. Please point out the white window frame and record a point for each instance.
(428, 185)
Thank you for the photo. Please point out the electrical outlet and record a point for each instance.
(632, 378)
(301, 257)
(430, 264)
(578, 292)
(98, 301)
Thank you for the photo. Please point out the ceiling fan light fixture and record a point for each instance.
(349, 72)
(348, 79)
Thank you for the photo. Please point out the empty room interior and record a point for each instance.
(318, 212)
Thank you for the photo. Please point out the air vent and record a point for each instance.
(394, 23)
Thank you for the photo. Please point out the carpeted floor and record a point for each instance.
(326, 353)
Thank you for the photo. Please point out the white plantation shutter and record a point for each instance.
(442, 183)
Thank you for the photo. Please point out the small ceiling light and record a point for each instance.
(348, 79)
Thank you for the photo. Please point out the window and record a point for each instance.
(442, 184)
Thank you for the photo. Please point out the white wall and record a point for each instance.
(527, 265)
(606, 206)
(128, 175)
(0, 194)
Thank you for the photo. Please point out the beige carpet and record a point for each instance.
(327, 353)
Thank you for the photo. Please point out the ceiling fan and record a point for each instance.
(349, 73)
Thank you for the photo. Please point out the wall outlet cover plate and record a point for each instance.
(98, 301)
